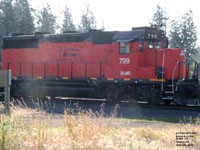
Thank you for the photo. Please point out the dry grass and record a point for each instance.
(27, 129)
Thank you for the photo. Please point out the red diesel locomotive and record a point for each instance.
(132, 65)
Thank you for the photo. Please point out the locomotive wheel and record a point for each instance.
(179, 99)
(116, 93)
(110, 91)
(152, 96)
(148, 94)
(168, 102)
(198, 101)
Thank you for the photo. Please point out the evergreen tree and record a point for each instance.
(6, 17)
(183, 34)
(103, 26)
(87, 20)
(1, 31)
(24, 22)
(159, 18)
(46, 20)
(175, 35)
(6, 20)
(189, 35)
(1, 24)
(68, 24)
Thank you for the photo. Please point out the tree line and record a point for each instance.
(17, 16)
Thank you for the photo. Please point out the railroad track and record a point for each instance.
(108, 108)
(162, 106)
(88, 101)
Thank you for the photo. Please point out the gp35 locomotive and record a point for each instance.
(134, 65)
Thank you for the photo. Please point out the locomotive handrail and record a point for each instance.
(197, 70)
(163, 69)
(173, 73)
(107, 55)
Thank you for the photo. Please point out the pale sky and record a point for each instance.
(123, 14)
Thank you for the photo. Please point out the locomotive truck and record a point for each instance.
(131, 66)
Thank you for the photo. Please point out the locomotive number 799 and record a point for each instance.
(124, 61)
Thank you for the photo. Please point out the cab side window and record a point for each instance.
(150, 44)
(157, 45)
(141, 45)
(124, 48)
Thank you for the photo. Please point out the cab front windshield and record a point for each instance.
(152, 44)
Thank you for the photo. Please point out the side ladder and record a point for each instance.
(168, 92)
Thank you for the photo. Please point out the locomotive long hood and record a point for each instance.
(94, 36)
